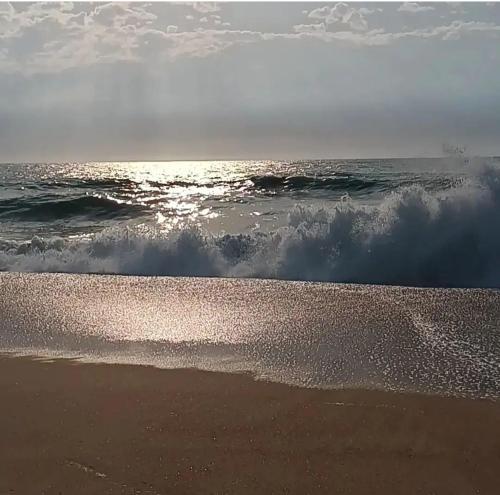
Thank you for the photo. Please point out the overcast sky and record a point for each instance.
(116, 81)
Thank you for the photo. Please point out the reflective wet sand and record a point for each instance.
(320, 335)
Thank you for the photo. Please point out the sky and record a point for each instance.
(175, 81)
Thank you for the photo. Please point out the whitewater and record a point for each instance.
(418, 222)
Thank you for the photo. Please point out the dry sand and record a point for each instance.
(75, 428)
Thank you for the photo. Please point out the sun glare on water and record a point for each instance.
(176, 193)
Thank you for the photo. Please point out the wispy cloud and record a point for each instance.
(310, 28)
(206, 7)
(342, 14)
(113, 32)
(414, 8)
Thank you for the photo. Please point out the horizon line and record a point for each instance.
(433, 157)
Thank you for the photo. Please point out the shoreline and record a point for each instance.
(48, 356)
(73, 427)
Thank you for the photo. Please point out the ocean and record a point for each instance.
(416, 222)
(414, 243)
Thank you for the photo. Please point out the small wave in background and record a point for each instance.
(405, 222)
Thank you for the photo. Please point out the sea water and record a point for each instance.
(421, 222)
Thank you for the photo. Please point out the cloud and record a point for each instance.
(320, 12)
(341, 14)
(205, 7)
(414, 8)
(105, 33)
(119, 14)
(453, 31)
(366, 11)
(67, 36)
(205, 42)
(457, 8)
(14, 22)
(380, 37)
(355, 20)
(310, 28)
(457, 29)
(6, 8)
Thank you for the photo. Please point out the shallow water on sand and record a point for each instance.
(310, 334)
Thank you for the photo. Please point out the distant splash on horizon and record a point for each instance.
(414, 236)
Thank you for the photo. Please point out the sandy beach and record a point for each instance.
(249, 248)
(74, 428)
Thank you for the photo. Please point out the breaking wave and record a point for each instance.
(413, 237)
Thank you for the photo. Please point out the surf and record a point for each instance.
(412, 237)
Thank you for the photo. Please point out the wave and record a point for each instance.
(113, 184)
(335, 181)
(413, 237)
(76, 183)
(303, 182)
(348, 183)
(54, 207)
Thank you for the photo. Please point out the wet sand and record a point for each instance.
(308, 334)
(73, 428)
